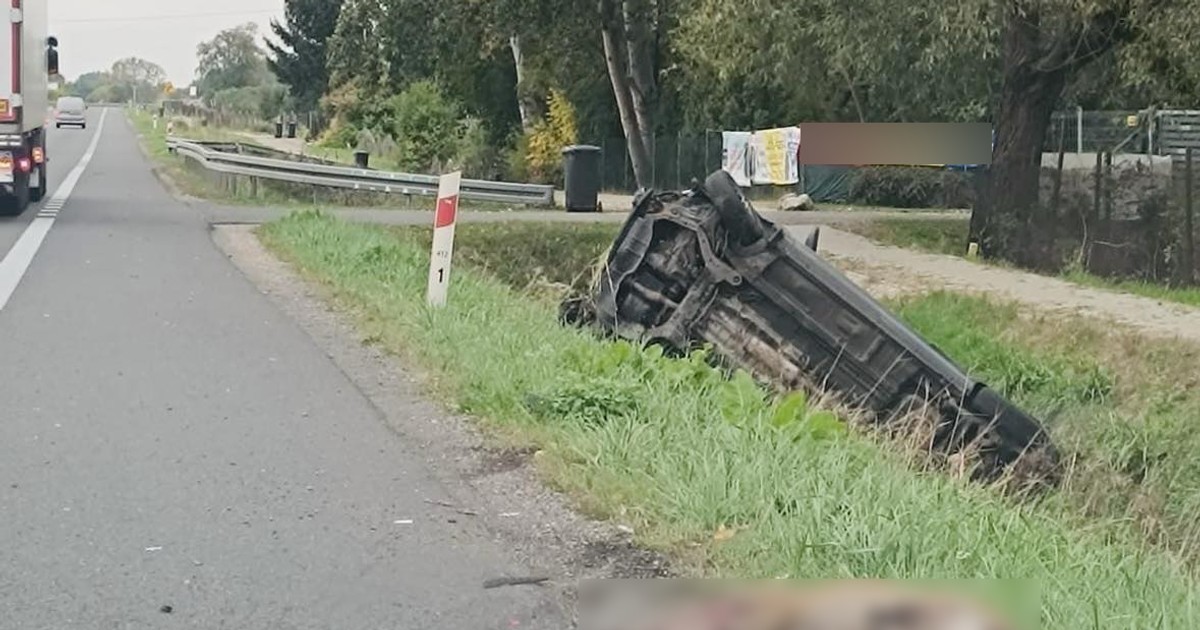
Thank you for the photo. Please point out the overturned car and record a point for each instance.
(701, 267)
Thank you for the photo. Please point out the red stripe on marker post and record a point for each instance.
(447, 210)
(443, 238)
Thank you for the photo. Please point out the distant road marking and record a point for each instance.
(18, 259)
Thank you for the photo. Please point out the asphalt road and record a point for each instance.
(168, 438)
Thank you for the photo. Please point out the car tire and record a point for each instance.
(737, 217)
(39, 193)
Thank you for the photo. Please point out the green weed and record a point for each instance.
(972, 331)
(937, 236)
(1189, 296)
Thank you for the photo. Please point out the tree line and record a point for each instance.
(644, 67)
(232, 75)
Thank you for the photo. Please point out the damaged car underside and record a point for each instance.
(702, 268)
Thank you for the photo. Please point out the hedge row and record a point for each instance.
(912, 187)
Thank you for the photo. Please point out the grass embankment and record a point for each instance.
(936, 236)
(948, 236)
(736, 482)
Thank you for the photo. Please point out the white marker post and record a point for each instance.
(443, 237)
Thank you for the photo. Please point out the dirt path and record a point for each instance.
(892, 270)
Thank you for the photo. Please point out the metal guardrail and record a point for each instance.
(218, 157)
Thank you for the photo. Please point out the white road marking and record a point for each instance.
(18, 259)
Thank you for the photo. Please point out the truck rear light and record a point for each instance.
(24, 165)
(39, 156)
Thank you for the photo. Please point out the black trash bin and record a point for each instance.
(361, 158)
(581, 178)
(291, 129)
(279, 129)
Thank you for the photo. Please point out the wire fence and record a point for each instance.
(678, 158)
(1117, 131)
(1122, 218)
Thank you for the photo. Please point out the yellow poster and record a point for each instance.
(775, 156)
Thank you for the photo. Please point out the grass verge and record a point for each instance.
(737, 482)
(1187, 296)
(937, 236)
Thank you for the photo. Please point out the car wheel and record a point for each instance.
(39, 193)
(731, 206)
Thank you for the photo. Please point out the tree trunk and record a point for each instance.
(523, 105)
(1008, 220)
(641, 51)
(616, 54)
(858, 107)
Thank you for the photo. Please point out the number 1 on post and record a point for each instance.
(443, 237)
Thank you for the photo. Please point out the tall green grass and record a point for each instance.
(972, 331)
(1123, 407)
(681, 452)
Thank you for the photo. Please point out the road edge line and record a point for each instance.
(18, 259)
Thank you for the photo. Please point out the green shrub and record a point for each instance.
(475, 154)
(516, 160)
(425, 124)
(259, 101)
(911, 187)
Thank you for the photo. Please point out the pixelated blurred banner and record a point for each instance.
(915, 144)
(835, 604)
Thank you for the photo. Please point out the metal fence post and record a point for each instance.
(678, 161)
(1058, 173)
(1108, 186)
(1079, 129)
(1189, 229)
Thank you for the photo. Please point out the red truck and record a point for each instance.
(28, 58)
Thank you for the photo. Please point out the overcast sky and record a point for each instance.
(92, 34)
